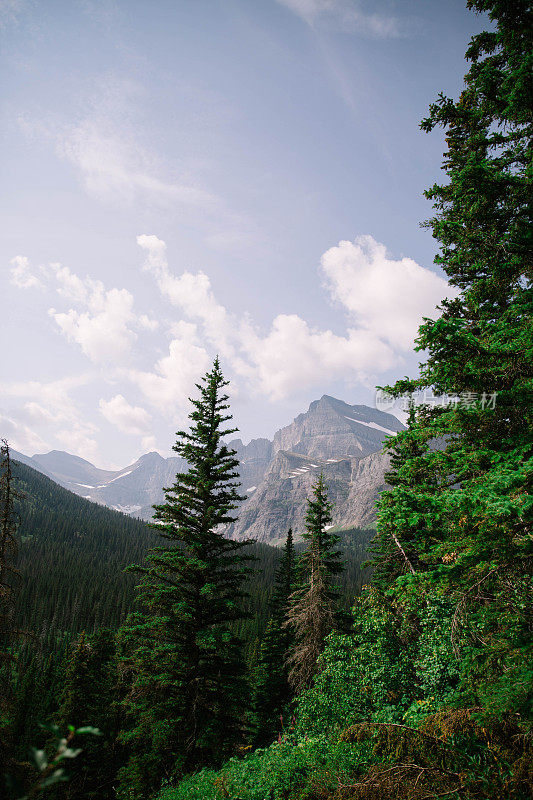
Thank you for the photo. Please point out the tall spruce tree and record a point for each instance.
(8, 577)
(8, 553)
(88, 700)
(272, 689)
(312, 613)
(189, 691)
(464, 507)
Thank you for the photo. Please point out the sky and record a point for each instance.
(186, 178)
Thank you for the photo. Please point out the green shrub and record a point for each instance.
(298, 769)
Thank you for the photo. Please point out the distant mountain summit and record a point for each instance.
(331, 428)
(344, 442)
(132, 490)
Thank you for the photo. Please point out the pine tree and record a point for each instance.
(8, 576)
(465, 506)
(8, 553)
(312, 611)
(272, 690)
(189, 688)
(87, 700)
(393, 556)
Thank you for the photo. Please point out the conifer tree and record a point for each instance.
(272, 690)
(189, 691)
(8, 553)
(8, 575)
(393, 556)
(87, 700)
(465, 507)
(312, 611)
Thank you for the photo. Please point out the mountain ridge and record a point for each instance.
(342, 441)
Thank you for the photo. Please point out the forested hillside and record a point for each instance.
(72, 560)
(71, 557)
(73, 554)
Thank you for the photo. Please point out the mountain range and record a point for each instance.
(344, 442)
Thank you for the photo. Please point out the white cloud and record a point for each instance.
(127, 418)
(193, 294)
(293, 356)
(148, 444)
(21, 437)
(102, 331)
(170, 384)
(70, 285)
(385, 297)
(21, 276)
(108, 137)
(385, 300)
(348, 15)
(41, 415)
(102, 328)
(148, 323)
(113, 165)
(38, 415)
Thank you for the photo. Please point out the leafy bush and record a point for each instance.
(296, 768)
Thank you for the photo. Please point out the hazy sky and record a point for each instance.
(189, 177)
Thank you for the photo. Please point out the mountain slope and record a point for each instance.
(73, 553)
(343, 441)
(331, 428)
(345, 444)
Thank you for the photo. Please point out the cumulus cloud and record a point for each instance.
(292, 355)
(127, 418)
(70, 285)
(21, 275)
(148, 323)
(384, 300)
(349, 15)
(192, 293)
(39, 414)
(385, 297)
(171, 382)
(102, 330)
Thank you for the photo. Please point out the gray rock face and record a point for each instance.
(279, 502)
(343, 442)
(331, 428)
(254, 460)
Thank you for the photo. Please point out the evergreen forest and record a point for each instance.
(165, 661)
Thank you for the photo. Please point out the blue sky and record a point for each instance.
(234, 176)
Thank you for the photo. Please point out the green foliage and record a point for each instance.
(9, 576)
(50, 769)
(396, 666)
(312, 610)
(188, 689)
(69, 549)
(299, 769)
(89, 698)
(460, 508)
(272, 692)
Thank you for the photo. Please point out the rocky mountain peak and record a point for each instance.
(332, 428)
(342, 441)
